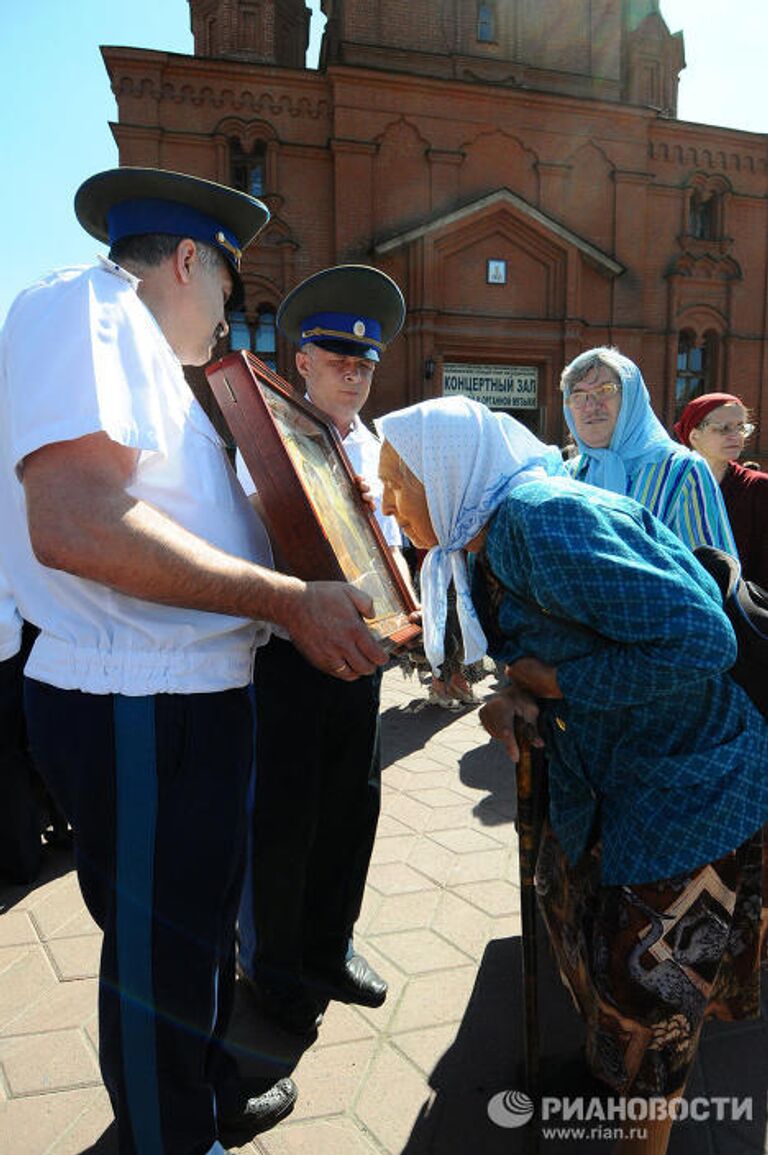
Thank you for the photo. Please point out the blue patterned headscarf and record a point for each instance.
(638, 437)
(467, 458)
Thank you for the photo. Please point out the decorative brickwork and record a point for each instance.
(432, 141)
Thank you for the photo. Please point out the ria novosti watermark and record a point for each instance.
(605, 1118)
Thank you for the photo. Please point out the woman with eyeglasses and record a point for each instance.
(716, 426)
(623, 447)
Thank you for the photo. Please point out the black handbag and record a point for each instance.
(746, 604)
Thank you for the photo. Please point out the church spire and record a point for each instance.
(258, 31)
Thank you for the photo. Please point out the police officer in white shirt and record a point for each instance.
(318, 771)
(148, 574)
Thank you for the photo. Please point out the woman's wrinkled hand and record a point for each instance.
(500, 712)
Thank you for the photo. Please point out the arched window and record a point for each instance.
(695, 369)
(265, 337)
(708, 196)
(486, 23)
(248, 169)
(251, 27)
(239, 332)
(702, 217)
(258, 336)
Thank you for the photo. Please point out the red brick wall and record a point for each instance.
(406, 172)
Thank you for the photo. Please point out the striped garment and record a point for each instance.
(681, 491)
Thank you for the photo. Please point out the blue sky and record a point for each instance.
(56, 103)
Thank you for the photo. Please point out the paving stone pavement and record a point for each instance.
(441, 920)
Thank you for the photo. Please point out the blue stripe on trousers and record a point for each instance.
(136, 787)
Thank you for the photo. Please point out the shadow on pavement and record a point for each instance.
(489, 768)
(487, 1058)
(733, 1062)
(261, 1049)
(106, 1144)
(56, 861)
(404, 732)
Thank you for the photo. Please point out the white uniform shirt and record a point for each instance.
(80, 353)
(10, 621)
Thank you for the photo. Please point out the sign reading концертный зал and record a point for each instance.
(497, 386)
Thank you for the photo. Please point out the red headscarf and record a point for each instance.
(696, 410)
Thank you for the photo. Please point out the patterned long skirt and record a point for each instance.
(646, 965)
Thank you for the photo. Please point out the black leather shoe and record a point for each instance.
(355, 981)
(291, 1008)
(255, 1106)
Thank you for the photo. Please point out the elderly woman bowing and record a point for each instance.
(649, 875)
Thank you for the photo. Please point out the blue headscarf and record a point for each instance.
(638, 437)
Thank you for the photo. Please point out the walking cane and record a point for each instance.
(530, 798)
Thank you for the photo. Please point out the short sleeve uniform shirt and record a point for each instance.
(80, 354)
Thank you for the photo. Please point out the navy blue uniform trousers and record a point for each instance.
(154, 788)
(20, 842)
(315, 810)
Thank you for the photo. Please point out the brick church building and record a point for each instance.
(517, 166)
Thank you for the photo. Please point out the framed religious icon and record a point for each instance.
(319, 524)
(496, 272)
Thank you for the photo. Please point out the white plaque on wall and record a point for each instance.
(497, 386)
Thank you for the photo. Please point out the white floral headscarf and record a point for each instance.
(467, 458)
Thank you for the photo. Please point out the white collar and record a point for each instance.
(134, 282)
(118, 271)
(357, 430)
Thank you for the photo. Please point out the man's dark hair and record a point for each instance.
(153, 248)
